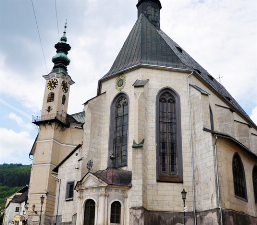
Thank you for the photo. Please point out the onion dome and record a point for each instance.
(61, 60)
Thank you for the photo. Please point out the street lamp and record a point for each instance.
(184, 194)
(42, 202)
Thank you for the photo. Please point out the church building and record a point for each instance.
(160, 126)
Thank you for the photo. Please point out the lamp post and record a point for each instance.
(42, 202)
(184, 194)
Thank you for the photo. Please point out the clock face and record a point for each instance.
(120, 82)
(65, 87)
(52, 84)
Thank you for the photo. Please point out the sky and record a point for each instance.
(221, 35)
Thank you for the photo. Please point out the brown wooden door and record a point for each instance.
(89, 216)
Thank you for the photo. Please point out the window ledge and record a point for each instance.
(243, 199)
(69, 199)
(169, 179)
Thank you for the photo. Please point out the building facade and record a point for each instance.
(16, 208)
(160, 124)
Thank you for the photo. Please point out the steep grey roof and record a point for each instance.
(144, 46)
(148, 46)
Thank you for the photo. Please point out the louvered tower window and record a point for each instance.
(255, 183)
(50, 97)
(239, 177)
(169, 152)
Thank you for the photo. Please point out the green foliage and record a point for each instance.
(13, 177)
(1, 218)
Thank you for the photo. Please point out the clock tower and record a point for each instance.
(55, 139)
(58, 84)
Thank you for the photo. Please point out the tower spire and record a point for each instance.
(61, 60)
(151, 10)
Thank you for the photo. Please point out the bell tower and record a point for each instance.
(52, 144)
(58, 83)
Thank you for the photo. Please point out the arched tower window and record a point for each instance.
(168, 135)
(115, 212)
(89, 214)
(63, 99)
(255, 183)
(239, 177)
(50, 97)
(118, 143)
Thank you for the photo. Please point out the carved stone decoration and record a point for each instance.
(120, 82)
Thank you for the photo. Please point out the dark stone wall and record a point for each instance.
(141, 216)
(231, 217)
(208, 217)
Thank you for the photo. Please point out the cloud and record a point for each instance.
(14, 145)
(20, 121)
(27, 91)
(254, 115)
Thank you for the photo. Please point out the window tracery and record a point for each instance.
(168, 130)
(239, 177)
(119, 131)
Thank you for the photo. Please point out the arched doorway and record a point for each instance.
(89, 214)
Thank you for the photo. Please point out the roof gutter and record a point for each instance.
(58, 198)
(217, 178)
(191, 145)
(135, 67)
(228, 102)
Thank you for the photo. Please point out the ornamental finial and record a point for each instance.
(64, 38)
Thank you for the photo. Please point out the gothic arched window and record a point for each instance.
(50, 97)
(119, 130)
(239, 177)
(255, 183)
(115, 212)
(168, 135)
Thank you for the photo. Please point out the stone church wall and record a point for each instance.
(226, 150)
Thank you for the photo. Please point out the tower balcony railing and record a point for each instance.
(57, 116)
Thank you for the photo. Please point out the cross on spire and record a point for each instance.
(65, 26)
(220, 78)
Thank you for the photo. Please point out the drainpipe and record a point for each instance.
(217, 178)
(191, 145)
(57, 206)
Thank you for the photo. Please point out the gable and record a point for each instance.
(90, 181)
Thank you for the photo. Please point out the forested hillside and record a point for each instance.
(12, 178)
